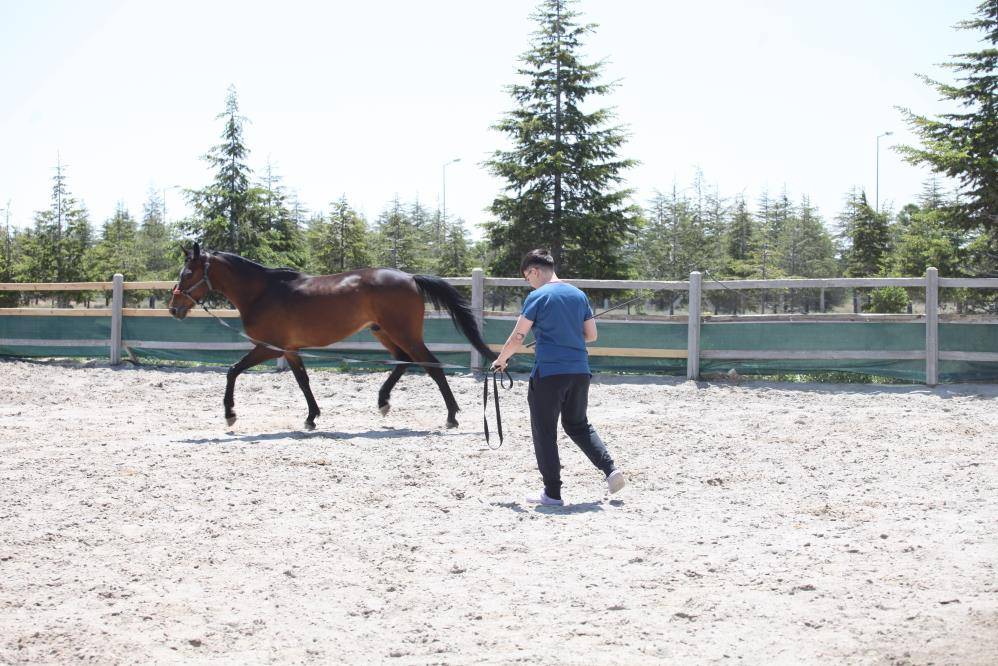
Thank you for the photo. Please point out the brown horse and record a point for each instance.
(286, 309)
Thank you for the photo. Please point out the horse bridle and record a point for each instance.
(204, 280)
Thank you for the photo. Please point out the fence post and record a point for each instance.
(931, 326)
(693, 329)
(477, 307)
(117, 300)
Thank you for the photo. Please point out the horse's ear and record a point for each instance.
(196, 252)
(187, 253)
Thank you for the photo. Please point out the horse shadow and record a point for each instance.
(315, 434)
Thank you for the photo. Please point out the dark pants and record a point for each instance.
(567, 396)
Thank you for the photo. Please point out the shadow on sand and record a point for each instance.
(300, 434)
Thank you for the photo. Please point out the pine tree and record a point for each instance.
(866, 237)
(221, 221)
(422, 221)
(276, 219)
(60, 239)
(338, 243)
(740, 241)
(7, 250)
(396, 240)
(669, 241)
(769, 221)
(117, 250)
(155, 246)
(563, 166)
(77, 241)
(964, 144)
(7, 261)
(926, 236)
(453, 259)
(805, 247)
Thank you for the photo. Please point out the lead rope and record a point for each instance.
(496, 383)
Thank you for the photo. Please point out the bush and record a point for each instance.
(888, 300)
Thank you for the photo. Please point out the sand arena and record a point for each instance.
(763, 522)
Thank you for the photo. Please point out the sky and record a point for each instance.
(372, 100)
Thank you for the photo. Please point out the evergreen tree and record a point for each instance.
(769, 222)
(668, 243)
(277, 221)
(866, 237)
(422, 221)
(155, 245)
(7, 260)
(453, 258)
(338, 243)
(563, 166)
(59, 241)
(805, 247)
(396, 242)
(926, 236)
(740, 242)
(964, 144)
(78, 241)
(117, 250)
(220, 220)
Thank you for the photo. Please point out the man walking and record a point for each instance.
(562, 321)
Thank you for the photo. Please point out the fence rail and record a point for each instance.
(694, 325)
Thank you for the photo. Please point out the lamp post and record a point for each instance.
(878, 169)
(443, 195)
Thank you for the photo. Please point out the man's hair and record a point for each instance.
(539, 258)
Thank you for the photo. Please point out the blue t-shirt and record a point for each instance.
(558, 310)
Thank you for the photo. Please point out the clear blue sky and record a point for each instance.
(370, 99)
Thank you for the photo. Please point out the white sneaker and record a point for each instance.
(545, 500)
(616, 481)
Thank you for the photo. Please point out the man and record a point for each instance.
(562, 321)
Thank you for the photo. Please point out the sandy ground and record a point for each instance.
(762, 522)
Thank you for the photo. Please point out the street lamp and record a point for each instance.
(443, 196)
(878, 169)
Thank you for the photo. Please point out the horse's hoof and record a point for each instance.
(309, 425)
(385, 408)
(229, 420)
(451, 423)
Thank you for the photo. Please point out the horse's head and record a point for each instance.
(193, 286)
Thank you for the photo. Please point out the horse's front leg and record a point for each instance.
(256, 356)
(298, 368)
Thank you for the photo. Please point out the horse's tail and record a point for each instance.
(443, 295)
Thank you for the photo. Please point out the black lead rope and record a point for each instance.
(496, 383)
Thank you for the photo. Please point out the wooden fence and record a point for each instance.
(696, 319)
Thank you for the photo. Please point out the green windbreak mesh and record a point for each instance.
(84, 329)
(968, 338)
(814, 336)
(91, 335)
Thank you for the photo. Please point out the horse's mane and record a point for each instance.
(275, 273)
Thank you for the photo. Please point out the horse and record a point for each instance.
(284, 311)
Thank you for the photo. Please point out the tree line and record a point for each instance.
(564, 177)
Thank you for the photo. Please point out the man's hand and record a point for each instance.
(499, 365)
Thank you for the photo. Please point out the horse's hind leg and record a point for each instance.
(256, 356)
(298, 368)
(385, 394)
(421, 354)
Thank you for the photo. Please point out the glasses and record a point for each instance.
(526, 273)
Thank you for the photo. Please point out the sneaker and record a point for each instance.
(616, 481)
(545, 500)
